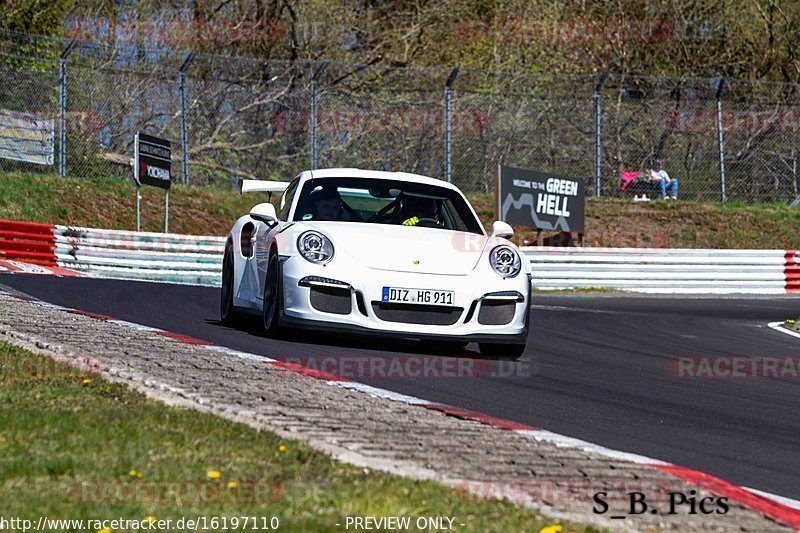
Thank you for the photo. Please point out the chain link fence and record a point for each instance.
(28, 98)
(233, 117)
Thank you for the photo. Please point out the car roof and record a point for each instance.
(375, 174)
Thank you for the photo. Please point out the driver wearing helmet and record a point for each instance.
(416, 208)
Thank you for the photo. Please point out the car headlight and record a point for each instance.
(315, 247)
(505, 261)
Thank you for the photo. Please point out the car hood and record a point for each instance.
(404, 248)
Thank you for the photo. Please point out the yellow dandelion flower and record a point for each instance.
(557, 528)
(150, 518)
(282, 448)
(232, 484)
(87, 381)
(213, 474)
(135, 473)
(104, 530)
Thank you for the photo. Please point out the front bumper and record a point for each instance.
(347, 298)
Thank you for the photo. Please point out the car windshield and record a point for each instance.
(379, 201)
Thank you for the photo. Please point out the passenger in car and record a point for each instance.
(327, 204)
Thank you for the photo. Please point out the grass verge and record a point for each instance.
(667, 224)
(75, 446)
(110, 203)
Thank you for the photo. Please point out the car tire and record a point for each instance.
(273, 299)
(227, 313)
(511, 352)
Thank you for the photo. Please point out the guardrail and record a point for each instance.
(164, 257)
(676, 271)
(197, 260)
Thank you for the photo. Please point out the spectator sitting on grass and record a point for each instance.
(668, 185)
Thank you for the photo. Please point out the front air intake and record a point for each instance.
(434, 315)
(496, 312)
(331, 300)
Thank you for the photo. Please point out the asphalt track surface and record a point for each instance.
(596, 368)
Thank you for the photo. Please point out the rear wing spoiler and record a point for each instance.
(262, 186)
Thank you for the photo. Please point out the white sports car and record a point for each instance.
(387, 253)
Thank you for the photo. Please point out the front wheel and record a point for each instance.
(503, 351)
(227, 313)
(273, 298)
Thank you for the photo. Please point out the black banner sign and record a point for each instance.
(153, 161)
(540, 200)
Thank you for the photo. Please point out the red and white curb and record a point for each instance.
(779, 508)
(20, 267)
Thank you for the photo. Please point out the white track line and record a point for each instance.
(788, 502)
(562, 441)
(778, 326)
(133, 325)
(379, 393)
(241, 355)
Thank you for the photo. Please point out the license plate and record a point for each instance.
(417, 296)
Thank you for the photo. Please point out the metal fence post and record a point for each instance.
(448, 125)
(313, 117)
(721, 142)
(313, 126)
(62, 115)
(598, 133)
(62, 109)
(184, 132)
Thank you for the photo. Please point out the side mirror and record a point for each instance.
(502, 230)
(264, 213)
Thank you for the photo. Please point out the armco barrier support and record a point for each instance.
(197, 260)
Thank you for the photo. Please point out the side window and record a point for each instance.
(286, 200)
